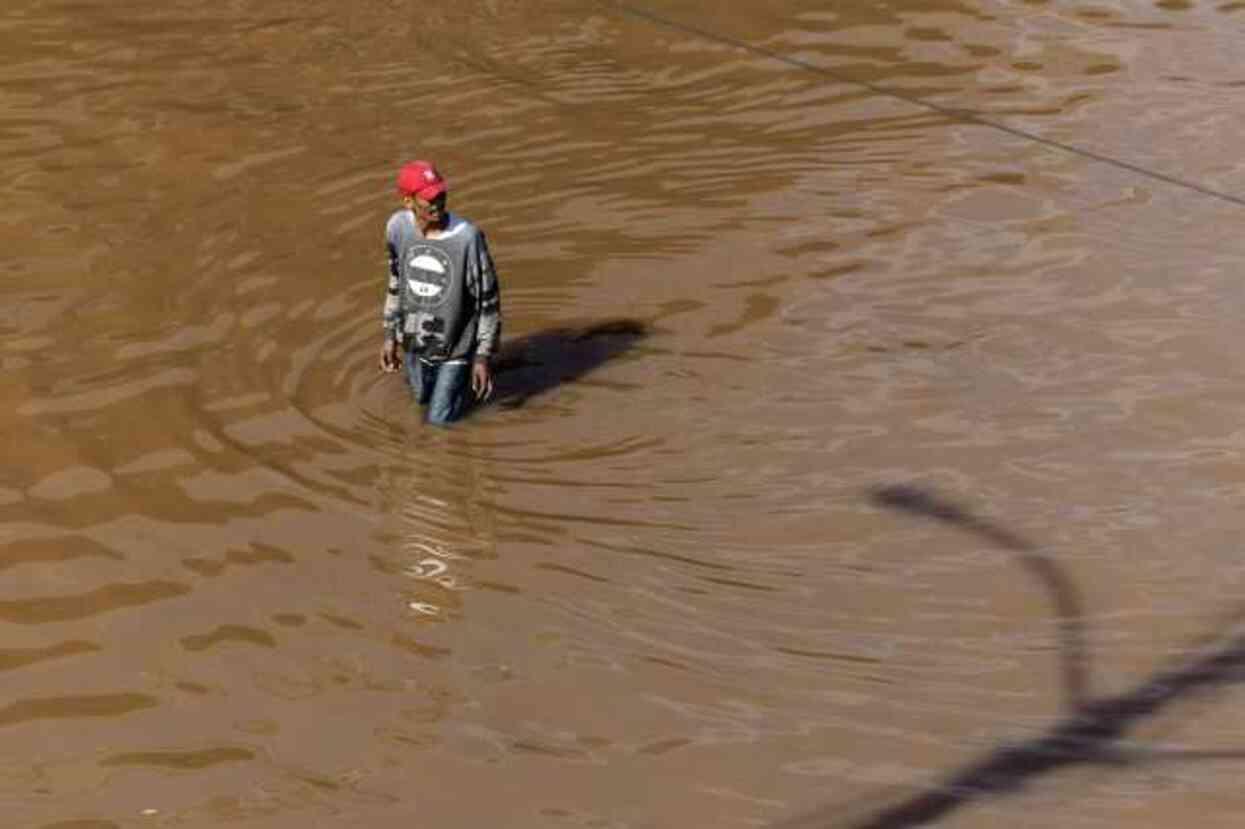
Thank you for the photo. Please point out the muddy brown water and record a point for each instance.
(867, 449)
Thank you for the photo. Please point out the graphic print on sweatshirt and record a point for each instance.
(427, 275)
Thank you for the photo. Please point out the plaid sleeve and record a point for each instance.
(391, 314)
(488, 301)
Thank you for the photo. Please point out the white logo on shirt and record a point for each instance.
(427, 277)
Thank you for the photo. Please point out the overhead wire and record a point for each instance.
(954, 113)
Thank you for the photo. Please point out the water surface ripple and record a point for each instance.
(757, 261)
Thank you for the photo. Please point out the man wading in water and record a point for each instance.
(442, 313)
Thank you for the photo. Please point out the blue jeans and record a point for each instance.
(440, 386)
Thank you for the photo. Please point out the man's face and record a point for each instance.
(428, 213)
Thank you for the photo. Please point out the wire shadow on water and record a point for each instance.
(536, 363)
(1091, 728)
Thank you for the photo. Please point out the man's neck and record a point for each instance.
(434, 231)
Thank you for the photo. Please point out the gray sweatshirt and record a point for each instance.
(443, 301)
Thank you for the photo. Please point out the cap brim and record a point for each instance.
(431, 191)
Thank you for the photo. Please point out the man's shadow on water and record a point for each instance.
(535, 363)
(1091, 728)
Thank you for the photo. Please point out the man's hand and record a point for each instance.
(389, 361)
(481, 378)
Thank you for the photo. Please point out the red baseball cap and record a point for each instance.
(420, 178)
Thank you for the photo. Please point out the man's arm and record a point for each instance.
(391, 315)
(488, 302)
(488, 321)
